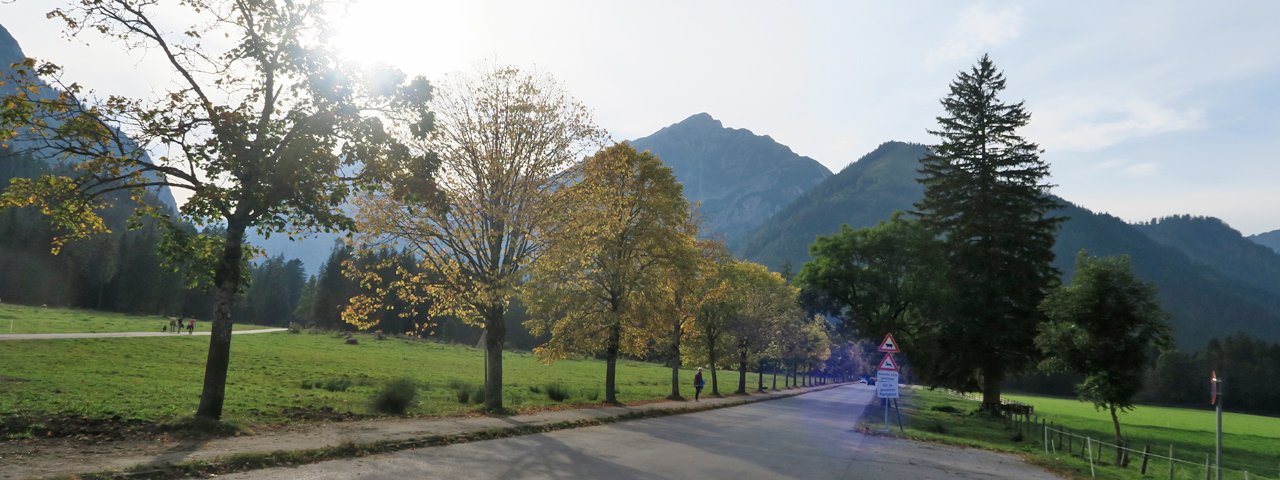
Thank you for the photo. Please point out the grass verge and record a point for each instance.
(937, 416)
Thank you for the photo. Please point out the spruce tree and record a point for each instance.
(986, 198)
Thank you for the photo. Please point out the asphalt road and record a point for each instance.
(56, 336)
(808, 436)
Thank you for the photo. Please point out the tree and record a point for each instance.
(269, 133)
(1103, 326)
(619, 226)
(504, 138)
(881, 279)
(763, 298)
(985, 198)
(689, 282)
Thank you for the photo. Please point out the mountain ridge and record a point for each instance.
(737, 177)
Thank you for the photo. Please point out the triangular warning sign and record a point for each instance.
(889, 345)
(888, 363)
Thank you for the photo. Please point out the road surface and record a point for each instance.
(56, 336)
(808, 436)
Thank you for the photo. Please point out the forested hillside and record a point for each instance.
(1203, 301)
(739, 178)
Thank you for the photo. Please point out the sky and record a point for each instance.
(1144, 109)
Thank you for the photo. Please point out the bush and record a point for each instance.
(557, 392)
(593, 395)
(477, 394)
(396, 396)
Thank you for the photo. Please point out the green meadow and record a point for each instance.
(1251, 442)
(25, 319)
(283, 377)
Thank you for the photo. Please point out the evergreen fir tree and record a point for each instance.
(986, 198)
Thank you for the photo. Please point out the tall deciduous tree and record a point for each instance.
(504, 137)
(622, 223)
(269, 132)
(985, 197)
(1103, 326)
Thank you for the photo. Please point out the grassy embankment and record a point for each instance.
(280, 377)
(1251, 442)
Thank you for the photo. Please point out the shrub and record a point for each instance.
(593, 395)
(396, 396)
(477, 394)
(557, 392)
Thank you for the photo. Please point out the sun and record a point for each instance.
(429, 38)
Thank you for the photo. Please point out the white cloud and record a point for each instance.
(1141, 169)
(979, 28)
(1090, 124)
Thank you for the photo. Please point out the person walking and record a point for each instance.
(698, 383)
(191, 326)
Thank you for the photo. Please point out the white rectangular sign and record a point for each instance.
(887, 384)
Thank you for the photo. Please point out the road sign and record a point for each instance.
(888, 363)
(889, 345)
(887, 384)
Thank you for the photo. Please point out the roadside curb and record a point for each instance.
(247, 461)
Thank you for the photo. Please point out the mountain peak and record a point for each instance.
(700, 120)
(10, 51)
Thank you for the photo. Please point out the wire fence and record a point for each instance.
(1153, 461)
(1059, 440)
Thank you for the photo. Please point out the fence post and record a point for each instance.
(1170, 461)
(1146, 451)
(1206, 466)
(1071, 444)
(1088, 448)
(1045, 429)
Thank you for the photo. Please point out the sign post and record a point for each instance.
(887, 377)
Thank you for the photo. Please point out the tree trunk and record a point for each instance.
(760, 377)
(774, 369)
(990, 393)
(742, 371)
(226, 278)
(495, 334)
(1115, 421)
(611, 363)
(675, 363)
(711, 357)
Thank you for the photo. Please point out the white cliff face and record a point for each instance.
(738, 177)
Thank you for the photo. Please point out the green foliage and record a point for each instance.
(985, 198)
(1103, 326)
(557, 392)
(396, 396)
(882, 279)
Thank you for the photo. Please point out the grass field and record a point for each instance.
(24, 319)
(282, 377)
(1251, 443)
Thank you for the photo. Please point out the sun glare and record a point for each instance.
(419, 37)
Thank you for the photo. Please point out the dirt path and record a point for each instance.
(57, 336)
